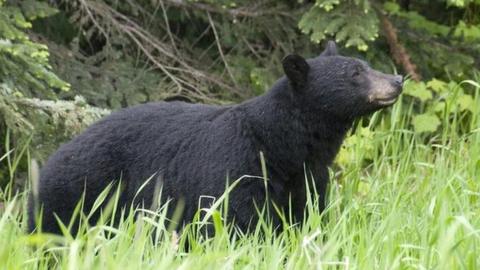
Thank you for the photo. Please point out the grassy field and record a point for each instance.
(398, 200)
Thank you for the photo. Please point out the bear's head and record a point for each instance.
(340, 86)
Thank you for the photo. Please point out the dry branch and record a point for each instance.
(237, 12)
(219, 46)
(398, 51)
(178, 68)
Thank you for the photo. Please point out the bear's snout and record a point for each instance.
(397, 83)
(384, 88)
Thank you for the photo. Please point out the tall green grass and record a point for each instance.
(411, 202)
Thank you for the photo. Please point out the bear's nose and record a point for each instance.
(398, 82)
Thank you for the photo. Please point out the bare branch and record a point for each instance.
(237, 12)
(220, 49)
(398, 51)
(163, 56)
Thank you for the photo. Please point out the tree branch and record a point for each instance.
(237, 12)
(398, 51)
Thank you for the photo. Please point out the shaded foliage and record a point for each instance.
(63, 62)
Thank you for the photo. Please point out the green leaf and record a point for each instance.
(391, 7)
(437, 85)
(425, 122)
(457, 3)
(439, 107)
(418, 90)
(467, 32)
(465, 102)
(364, 188)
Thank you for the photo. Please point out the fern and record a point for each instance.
(352, 22)
(24, 64)
(25, 72)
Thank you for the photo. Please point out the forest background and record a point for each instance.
(404, 192)
(64, 64)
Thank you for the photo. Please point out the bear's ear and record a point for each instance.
(330, 49)
(296, 68)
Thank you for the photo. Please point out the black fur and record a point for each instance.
(296, 69)
(192, 149)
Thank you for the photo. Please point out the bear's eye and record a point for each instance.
(356, 72)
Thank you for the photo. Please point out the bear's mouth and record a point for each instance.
(386, 101)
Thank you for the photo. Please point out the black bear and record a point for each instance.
(192, 149)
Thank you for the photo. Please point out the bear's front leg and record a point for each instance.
(248, 204)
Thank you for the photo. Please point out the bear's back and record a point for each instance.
(127, 134)
(130, 144)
